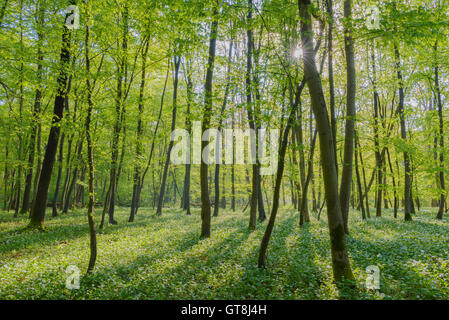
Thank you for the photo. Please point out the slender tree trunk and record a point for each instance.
(295, 180)
(396, 200)
(21, 100)
(185, 203)
(251, 119)
(35, 112)
(384, 186)
(307, 181)
(75, 177)
(366, 188)
(346, 176)
(340, 259)
(90, 210)
(330, 52)
(312, 178)
(357, 172)
(153, 141)
(40, 204)
(137, 167)
(379, 162)
(441, 138)
(6, 175)
(233, 176)
(219, 140)
(257, 116)
(176, 62)
(58, 179)
(407, 172)
(279, 175)
(304, 209)
(119, 109)
(205, 201)
(68, 171)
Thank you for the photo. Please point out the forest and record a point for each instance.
(224, 149)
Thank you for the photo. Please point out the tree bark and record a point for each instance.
(90, 210)
(205, 201)
(185, 202)
(121, 78)
(75, 177)
(346, 176)
(378, 156)
(407, 172)
(303, 218)
(40, 204)
(58, 179)
(35, 113)
(137, 167)
(441, 138)
(340, 259)
(251, 118)
(330, 51)
(176, 62)
(219, 140)
(279, 175)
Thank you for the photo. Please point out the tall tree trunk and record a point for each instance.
(366, 188)
(35, 112)
(6, 174)
(153, 141)
(72, 184)
(330, 52)
(396, 200)
(407, 172)
(223, 197)
(304, 215)
(340, 259)
(257, 116)
(185, 203)
(58, 179)
(295, 169)
(441, 138)
(346, 176)
(379, 162)
(251, 119)
(279, 175)
(357, 172)
(137, 166)
(90, 210)
(119, 109)
(219, 140)
(40, 204)
(68, 171)
(21, 99)
(232, 176)
(305, 187)
(205, 201)
(176, 62)
(312, 178)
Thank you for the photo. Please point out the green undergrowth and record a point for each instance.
(163, 257)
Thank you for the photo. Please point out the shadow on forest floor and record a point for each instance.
(163, 258)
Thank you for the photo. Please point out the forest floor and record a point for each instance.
(163, 258)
